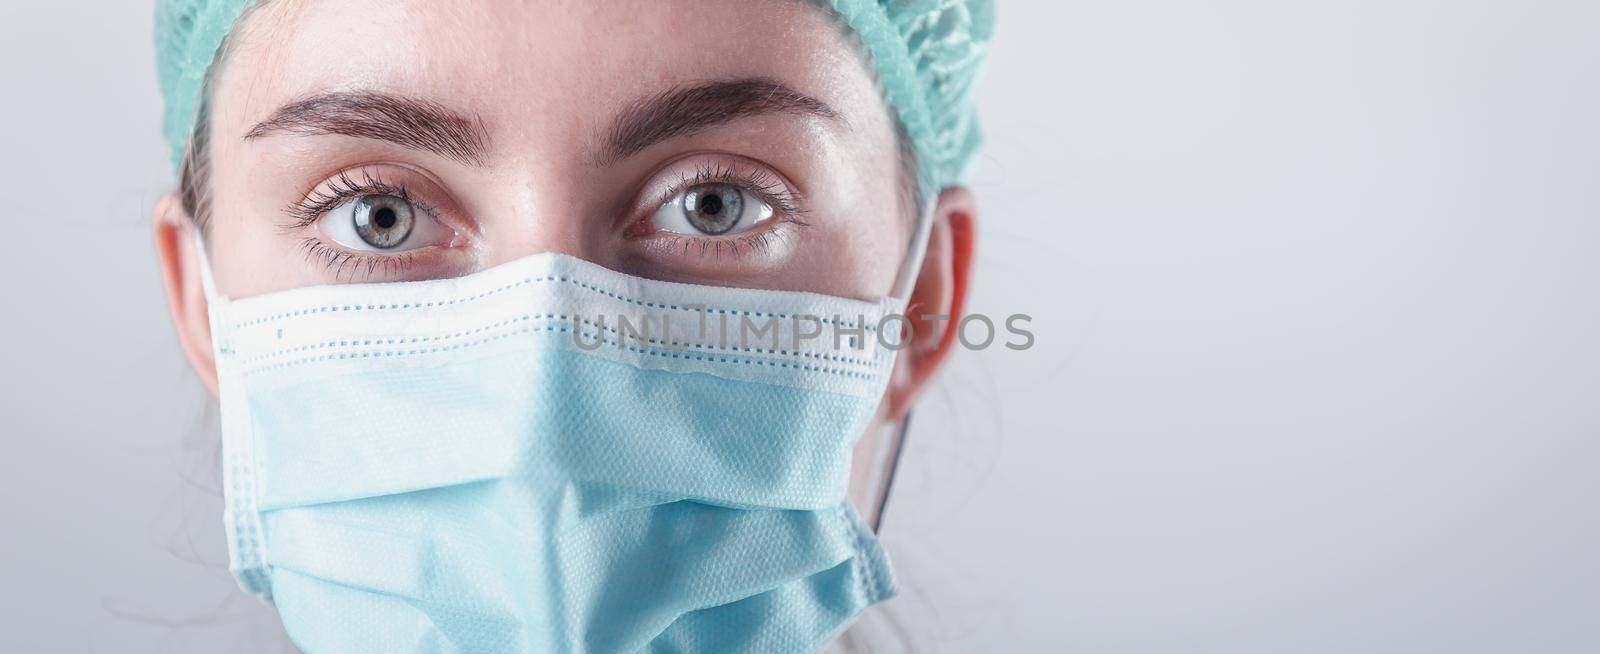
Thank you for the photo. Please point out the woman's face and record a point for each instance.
(721, 142)
(737, 143)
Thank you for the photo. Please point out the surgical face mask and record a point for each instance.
(497, 463)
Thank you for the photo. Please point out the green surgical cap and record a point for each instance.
(927, 54)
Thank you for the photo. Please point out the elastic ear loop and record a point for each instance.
(207, 285)
(904, 284)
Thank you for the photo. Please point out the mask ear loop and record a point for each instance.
(894, 467)
(905, 283)
(207, 285)
(910, 269)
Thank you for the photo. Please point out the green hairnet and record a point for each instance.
(927, 54)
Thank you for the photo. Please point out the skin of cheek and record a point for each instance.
(545, 77)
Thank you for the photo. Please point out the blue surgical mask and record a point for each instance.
(497, 463)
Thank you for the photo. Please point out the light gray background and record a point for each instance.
(1315, 289)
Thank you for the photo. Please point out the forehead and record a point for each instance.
(538, 65)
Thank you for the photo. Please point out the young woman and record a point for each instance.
(411, 253)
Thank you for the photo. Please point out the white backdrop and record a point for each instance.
(1316, 298)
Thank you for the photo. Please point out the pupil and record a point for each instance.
(384, 218)
(713, 208)
(711, 204)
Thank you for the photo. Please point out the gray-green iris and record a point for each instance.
(383, 221)
(713, 208)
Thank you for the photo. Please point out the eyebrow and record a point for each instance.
(409, 122)
(686, 110)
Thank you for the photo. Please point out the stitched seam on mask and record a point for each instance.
(863, 557)
(603, 340)
(858, 558)
(837, 358)
(248, 528)
(531, 280)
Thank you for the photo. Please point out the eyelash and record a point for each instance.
(351, 184)
(341, 261)
(343, 187)
(786, 203)
(763, 183)
(346, 186)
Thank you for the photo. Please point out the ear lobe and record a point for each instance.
(937, 302)
(180, 275)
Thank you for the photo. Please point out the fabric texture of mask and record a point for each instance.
(927, 53)
(549, 456)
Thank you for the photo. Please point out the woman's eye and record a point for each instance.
(711, 209)
(382, 223)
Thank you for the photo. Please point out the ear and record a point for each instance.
(937, 302)
(180, 274)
